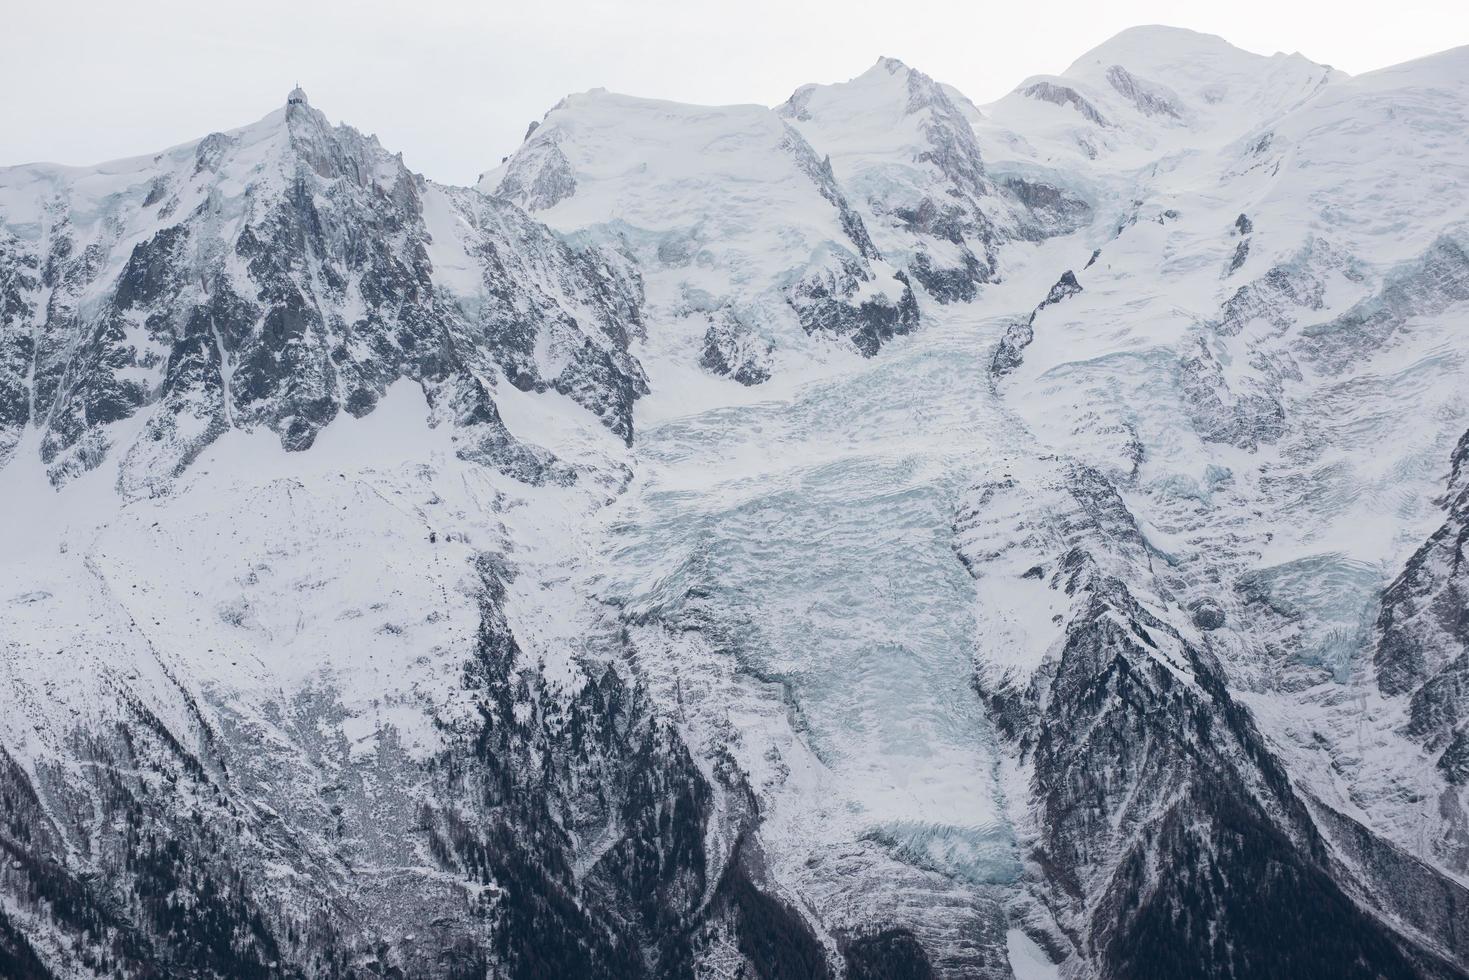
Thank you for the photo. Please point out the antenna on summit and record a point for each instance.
(297, 96)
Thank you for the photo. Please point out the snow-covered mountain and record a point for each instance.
(874, 536)
(279, 275)
(746, 237)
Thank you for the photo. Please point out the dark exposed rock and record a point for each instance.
(1284, 292)
(1148, 101)
(338, 299)
(821, 306)
(1241, 252)
(164, 893)
(890, 954)
(1152, 827)
(953, 200)
(819, 172)
(153, 270)
(1064, 95)
(570, 833)
(1423, 633)
(1065, 287)
(776, 942)
(539, 181)
(952, 147)
(1454, 762)
(732, 349)
(955, 284)
(1207, 615)
(1008, 352)
(1018, 336)
(1052, 210)
(19, 278)
(1428, 901)
(17, 958)
(957, 226)
(1246, 420)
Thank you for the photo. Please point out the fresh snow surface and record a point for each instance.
(268, 573)
(720, 204)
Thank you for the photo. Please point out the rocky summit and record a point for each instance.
(877, 536)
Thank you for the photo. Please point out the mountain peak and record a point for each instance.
(891, 89)
(1158, 49)
(1159, 40)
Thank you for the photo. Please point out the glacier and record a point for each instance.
(810, 534)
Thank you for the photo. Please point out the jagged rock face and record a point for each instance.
(540, 176)
(281, 275)
(735, 351)
(555, 838)
(1048, 209)
(1147, 101)
(589, 820)
(907, 152)
(1423, 634)
(1172, 804)
(20, 273)
(1063, 95)
(1009, 352)
(821, 303)
(1217, 414)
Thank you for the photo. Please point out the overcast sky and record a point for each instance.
(452, 84)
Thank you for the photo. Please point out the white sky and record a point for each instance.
(453, 83)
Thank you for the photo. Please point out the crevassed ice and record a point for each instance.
(815, 531)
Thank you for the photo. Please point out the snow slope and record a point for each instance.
(744, 234)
